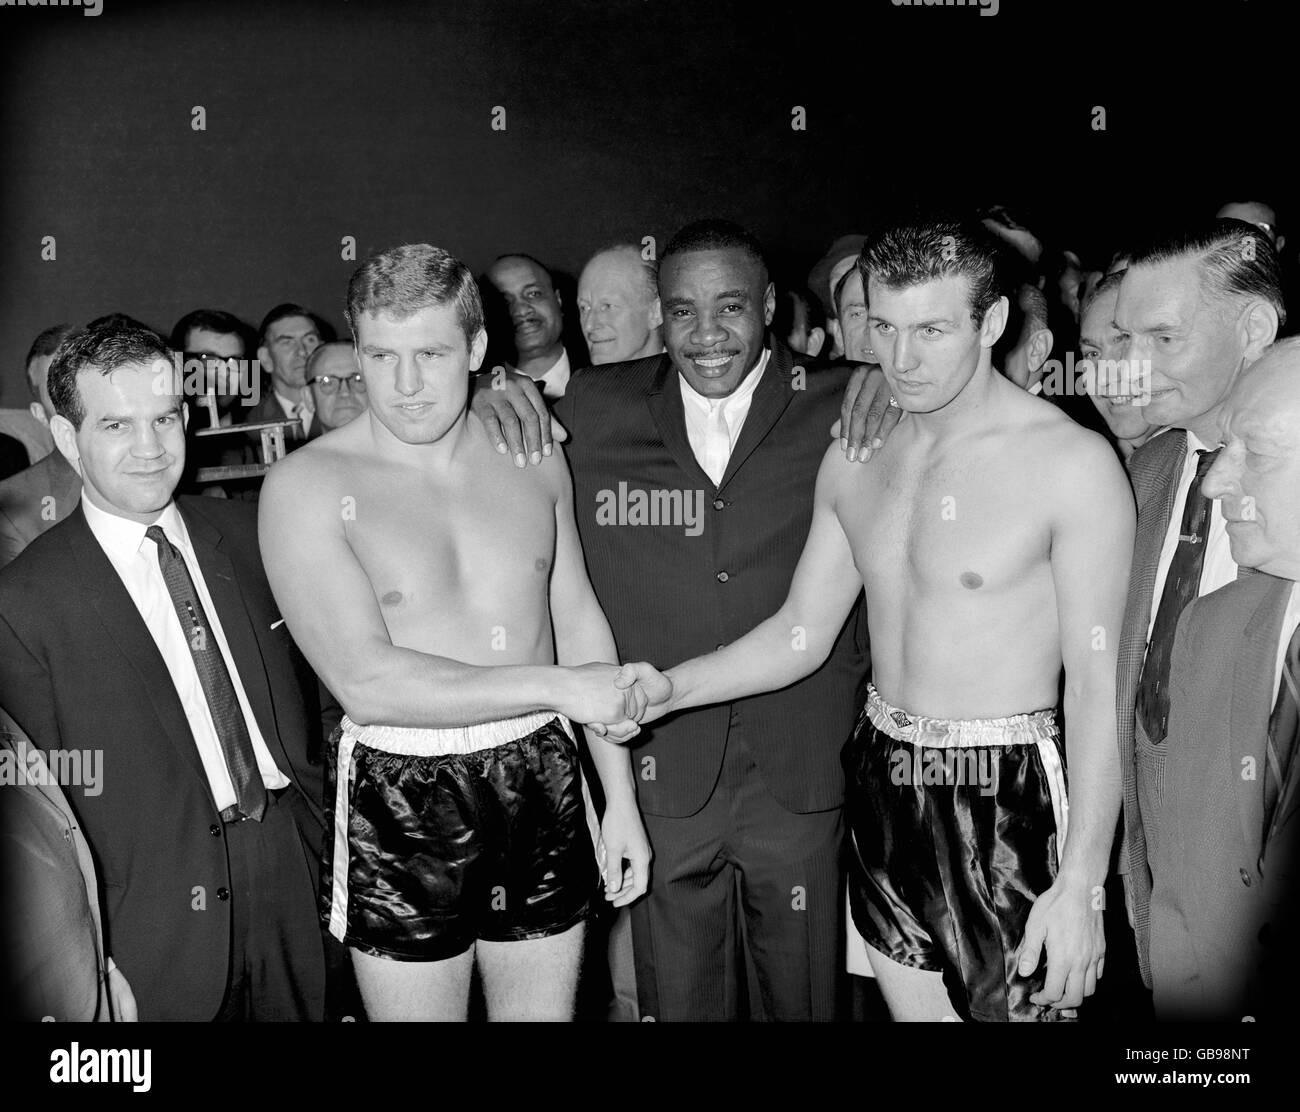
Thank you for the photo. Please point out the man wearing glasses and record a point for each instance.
(338, 389)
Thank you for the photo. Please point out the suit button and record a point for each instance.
(719, 647)
(718, 504)
(223, 893)
(214, 830)
(1245, 877)
(723, 577)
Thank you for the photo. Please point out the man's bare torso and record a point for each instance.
(459, 556)
(953, 542)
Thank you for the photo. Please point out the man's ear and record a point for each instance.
(38, 411)
(769, 304)
(264, 358)
(185, 415)
(816, 341)
(65, 440)
(1040, 347)
(995, 322)
(1259, 324)
(1281, 242)
(836, 334)
(478, 349)
(656, 313)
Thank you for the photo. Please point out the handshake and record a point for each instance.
(612, 701)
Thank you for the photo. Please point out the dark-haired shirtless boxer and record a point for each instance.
(992, 536)
(433, 591)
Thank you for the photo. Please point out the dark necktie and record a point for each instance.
(232, 731)
(1283, 724)
(1182, 584)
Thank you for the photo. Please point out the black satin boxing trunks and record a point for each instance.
(955, 827)
(437, 838)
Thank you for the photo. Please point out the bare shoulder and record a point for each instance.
(313, 472)
(549, 478)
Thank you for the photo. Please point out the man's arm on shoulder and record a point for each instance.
(1091, 550)
(514, 415)
(796, 640)
(329, 604)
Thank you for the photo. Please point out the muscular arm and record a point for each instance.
(1092, 539)
(797, 639)
(329, 605)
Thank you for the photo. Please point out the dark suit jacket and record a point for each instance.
(1222, 940)
(79, 670)
(670, 596)
(1154, 469)
(24, 513)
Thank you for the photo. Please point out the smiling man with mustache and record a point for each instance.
(533, 304)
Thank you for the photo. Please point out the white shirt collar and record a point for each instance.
(556, 377)
(741, 394)
(121, 538)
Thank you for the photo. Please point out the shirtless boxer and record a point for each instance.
(433, 589)
(992, 536)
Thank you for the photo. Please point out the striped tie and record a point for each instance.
(214, 676)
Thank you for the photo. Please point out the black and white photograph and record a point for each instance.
(648, 512)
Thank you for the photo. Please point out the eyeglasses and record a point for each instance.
(329, 384)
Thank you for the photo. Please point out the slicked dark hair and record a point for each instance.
(403, 280)
(46, 343)
(212, 320)
(104, 345)
(284, 309)
(715, 235)
(1237, 260)
(913, 252)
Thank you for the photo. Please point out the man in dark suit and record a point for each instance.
(287, 336)
(1222, 827)
(693, 478)
(1193, 310)
(144, 628)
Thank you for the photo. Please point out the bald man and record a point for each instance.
(1222, 834)
(618, 305)
(338, 389)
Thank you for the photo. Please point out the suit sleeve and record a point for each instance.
(27, 689)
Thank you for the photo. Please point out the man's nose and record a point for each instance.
(409, 381)
(707, 330)
(1221, 479)
(905, 357)
(146, 443)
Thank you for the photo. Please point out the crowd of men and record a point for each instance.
(934, 622)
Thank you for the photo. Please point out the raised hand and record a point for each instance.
(590, 697)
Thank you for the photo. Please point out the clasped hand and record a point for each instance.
(612, 701)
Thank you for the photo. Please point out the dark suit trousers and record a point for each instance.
(742, 875)
(277, 955)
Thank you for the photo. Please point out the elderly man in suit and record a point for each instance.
(1193, 311)
(143, 627)
(45, 493)
(287, 336)
(1221, 821)
(742, 801)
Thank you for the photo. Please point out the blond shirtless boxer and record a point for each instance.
(433, 589)
(992, 536)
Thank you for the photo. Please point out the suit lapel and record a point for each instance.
(771, 396)
(664, 399)
(1252, 703)
(228, 599)
(109, 598)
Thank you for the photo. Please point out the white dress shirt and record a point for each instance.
(553, 382)
(713, 424)
(1218, 568)
(1290, 619)
(296, 409)
(135, 559)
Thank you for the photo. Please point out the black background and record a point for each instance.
(624, 119)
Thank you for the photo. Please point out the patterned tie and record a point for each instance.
(1282, 728)
(232, 731)
(1182, 584)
